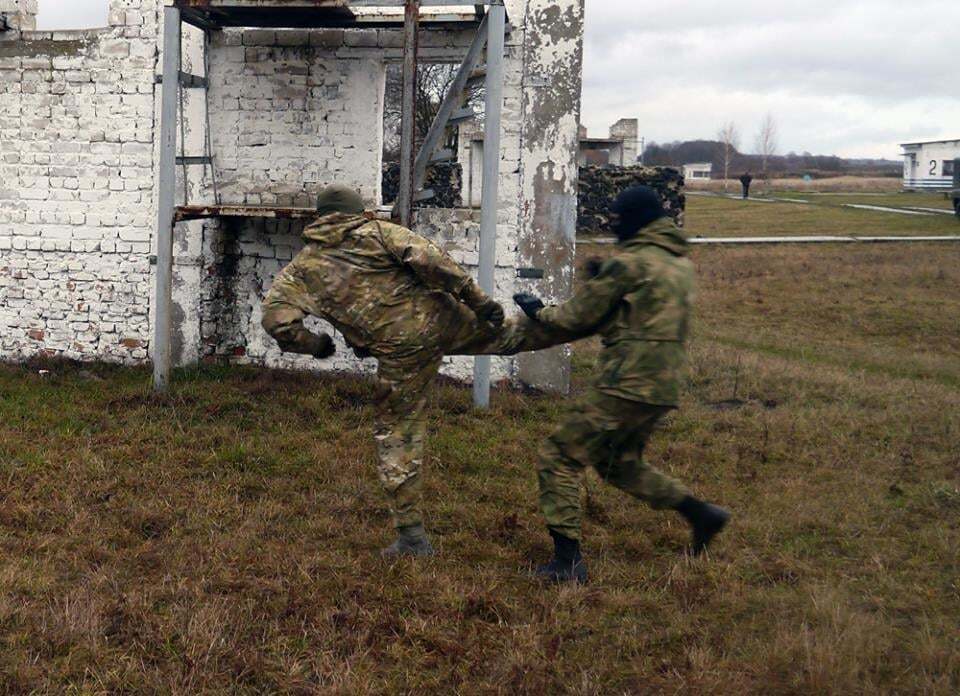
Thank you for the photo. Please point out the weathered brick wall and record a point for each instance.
(76, 180)
(291, 112)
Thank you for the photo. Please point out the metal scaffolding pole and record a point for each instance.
(411, 27)
(490, 202)
(166, 199)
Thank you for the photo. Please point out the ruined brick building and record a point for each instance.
(284, 113)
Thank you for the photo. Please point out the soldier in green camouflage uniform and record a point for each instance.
(397, 297)
(639, 302)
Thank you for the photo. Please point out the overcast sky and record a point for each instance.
(846, 77)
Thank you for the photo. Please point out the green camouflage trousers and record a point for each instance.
(610, 435)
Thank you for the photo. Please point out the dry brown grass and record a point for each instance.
(224, 539)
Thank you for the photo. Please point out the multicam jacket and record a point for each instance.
(384, 287)
(640, 304)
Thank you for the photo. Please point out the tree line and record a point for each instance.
(729, 162)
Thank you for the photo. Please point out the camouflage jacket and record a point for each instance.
(381, 285)
(640, 304)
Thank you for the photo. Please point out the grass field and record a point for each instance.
(709, 216)
(842, 184)
(894, 200)
(224, 539)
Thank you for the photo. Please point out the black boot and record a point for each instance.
(411, 541)
(567, 564)
(705, 520)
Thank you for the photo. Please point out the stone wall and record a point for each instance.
(76, 186)
(600, 185)
(445, 179)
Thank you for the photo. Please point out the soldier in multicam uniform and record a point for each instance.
(639, 302)
(397, 297)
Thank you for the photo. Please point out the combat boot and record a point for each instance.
(567, 564)
(412, 541)
(706, 521)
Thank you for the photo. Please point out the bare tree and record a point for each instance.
(767, 141)
(433, 82)
(729, 138)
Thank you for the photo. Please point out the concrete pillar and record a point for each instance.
(553, 61)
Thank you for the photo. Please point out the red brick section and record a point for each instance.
(36, 334)
(131, 343)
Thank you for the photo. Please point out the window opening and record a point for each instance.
(53, 15)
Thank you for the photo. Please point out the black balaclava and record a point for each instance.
(637, 207)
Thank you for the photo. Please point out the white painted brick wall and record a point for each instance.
(291, 112)
(297, 111)
(76, 179)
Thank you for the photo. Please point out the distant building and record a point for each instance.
(698, 171)
(929, 165)
(620, 149)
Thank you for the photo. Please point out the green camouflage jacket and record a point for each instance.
(381, 285)
(640, 304)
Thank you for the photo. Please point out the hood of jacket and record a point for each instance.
(663, 233)
(330, 230)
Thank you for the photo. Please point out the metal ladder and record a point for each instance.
(454, 109)
(187, 81)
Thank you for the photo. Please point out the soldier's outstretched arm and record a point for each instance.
(437, 270)
(590, 306)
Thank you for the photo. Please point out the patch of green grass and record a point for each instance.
(723, 217)
(893, 200)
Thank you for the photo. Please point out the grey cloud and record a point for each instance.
(846, 75)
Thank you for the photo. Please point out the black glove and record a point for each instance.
(490, 311)
(529, 303)
(323, 347)
(593, 267)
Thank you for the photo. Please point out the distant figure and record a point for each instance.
(745, 181)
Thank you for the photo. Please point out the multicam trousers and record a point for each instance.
(405, 376)
(609, 434)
